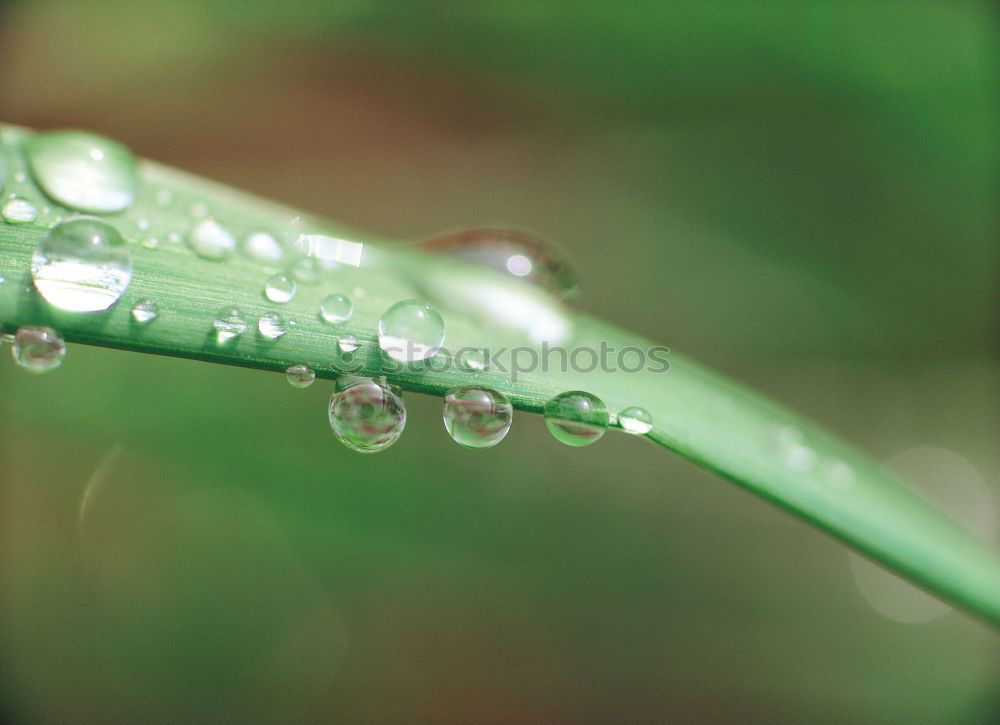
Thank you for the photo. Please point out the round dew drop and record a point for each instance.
(636, 421)
(576, 418)
(211, 240)
(84, 171)
(477, 417)
(145, 311)
(272, 326)
(229, 325)
(82, 265)
(300, 376)
(366, 416)
(19, 211)
(38, 349)
(279, 288)
(336, 309)
(410, 330)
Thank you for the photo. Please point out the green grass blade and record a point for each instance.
(711, 421)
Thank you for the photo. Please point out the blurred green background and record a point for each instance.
(801, 194)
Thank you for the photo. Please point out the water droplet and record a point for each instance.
(82, 265)
(280, 288)
(19, 211)
(336, 309)
(142, 224)
(211, 240)
(84, 171)
(272, 326)
(229, 325)
(636, 421)
(410, 330)
(792, 449)
(576, 418)
(20, 177)
(473, 360)
(306, 270)
(38, 349)
(365, 415)
(348, 343)
(513, 252)
(150, 242)
(164, 197)
(145, 311)
(263, 247)
(477, 417)
(839, 474)
(300, 376)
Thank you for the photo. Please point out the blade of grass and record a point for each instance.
(711, 421)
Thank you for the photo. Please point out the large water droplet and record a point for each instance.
(576, 418)
(410, 330)
(211, 240)
(279, 288)
(19, 211)
(636, 421)
(229, 325)
(272, 326)
(336, 309)
(366, 416)
(84, 171)
(300, 375)
(263, 247)
(145, 311)
(477, 417)
(38, 349)
(512, 252)
(82, 265)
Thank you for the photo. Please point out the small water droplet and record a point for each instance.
(272, 326)
(636, 421)
(263, 247)
(336, 309)
(839, 474)
(229, 325)
(84, 171)
(365, 415)
(211, 240)
(164, 197)
(576, 418)
(20, 177)
(82, 265)
(348, 343)
(300, 376)
(792, 449)
(514, 252)
(473, 360)
(150, 242)
(38, 349)
(19, 211)
(175, 238)
(142, 224)
(410, 330)
(477, 417)
(145, 311)
(279, 288)
(306, 270)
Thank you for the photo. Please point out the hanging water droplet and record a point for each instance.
(636, 421)
(336, 309)
(38, 349)
(211, 240)
(477, 417)
(300, 376)
(365, 415)
(145, 311)
(576, 418)
(229, 325)
(348, 343)
(513, 252)
(410, 330)
(19, 211)
(280, 288)
(82, 265)
(272, 326)
(84, 171)
(263, 247)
